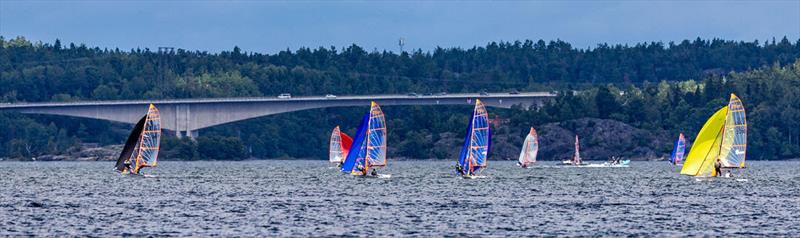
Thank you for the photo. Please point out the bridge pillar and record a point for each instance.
(182, 119)
(193, 134)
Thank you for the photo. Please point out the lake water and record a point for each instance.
(422, 198)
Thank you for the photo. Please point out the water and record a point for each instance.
(423, 198)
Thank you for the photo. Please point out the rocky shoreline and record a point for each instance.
(86, 152)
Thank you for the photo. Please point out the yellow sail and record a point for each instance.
(706, 147)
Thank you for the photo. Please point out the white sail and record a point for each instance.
(576, 159)
(335, 151)
(530, 148)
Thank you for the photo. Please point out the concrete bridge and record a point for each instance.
(186, 116)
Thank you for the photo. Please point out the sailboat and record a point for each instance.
(142, 146)
(477, 143)
(368, 150)
(530, 149)
(576, 157)
(723, 138)
(339, 146)
(678, 151)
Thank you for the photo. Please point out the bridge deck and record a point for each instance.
(275, 99)
(190, 115)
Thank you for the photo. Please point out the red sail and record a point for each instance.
(346, 142)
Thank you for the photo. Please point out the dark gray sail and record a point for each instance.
(130, 145)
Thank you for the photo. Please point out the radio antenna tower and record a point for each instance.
(401, 43)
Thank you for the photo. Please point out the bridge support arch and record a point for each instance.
(186, 116)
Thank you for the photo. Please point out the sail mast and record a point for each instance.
(369, 130)
(536, 143)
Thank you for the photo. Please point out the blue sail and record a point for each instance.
(358, 148)
(462, 159)
(678, 151)
(475, 151)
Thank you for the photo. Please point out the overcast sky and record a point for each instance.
(268, 27)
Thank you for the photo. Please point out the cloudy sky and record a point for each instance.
(268, 27)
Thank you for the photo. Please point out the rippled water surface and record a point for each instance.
(422, 198)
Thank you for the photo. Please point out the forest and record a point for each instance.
(660, 89)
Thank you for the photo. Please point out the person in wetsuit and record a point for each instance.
(718, 168)
(127, 168)
(360, 168)
(374, 173)
(459, 170)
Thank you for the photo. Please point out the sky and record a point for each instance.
(272, 26)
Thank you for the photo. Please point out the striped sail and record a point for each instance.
(734, 139)
(376, 138)
(678, 150)
(150, 141)
(477, 143)
(339, 146)
(530, 148)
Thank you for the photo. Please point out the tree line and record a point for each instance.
(670, 87)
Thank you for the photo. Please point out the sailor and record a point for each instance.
(127, 168)
(717, 168)
(374, 173)
(459, 170)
